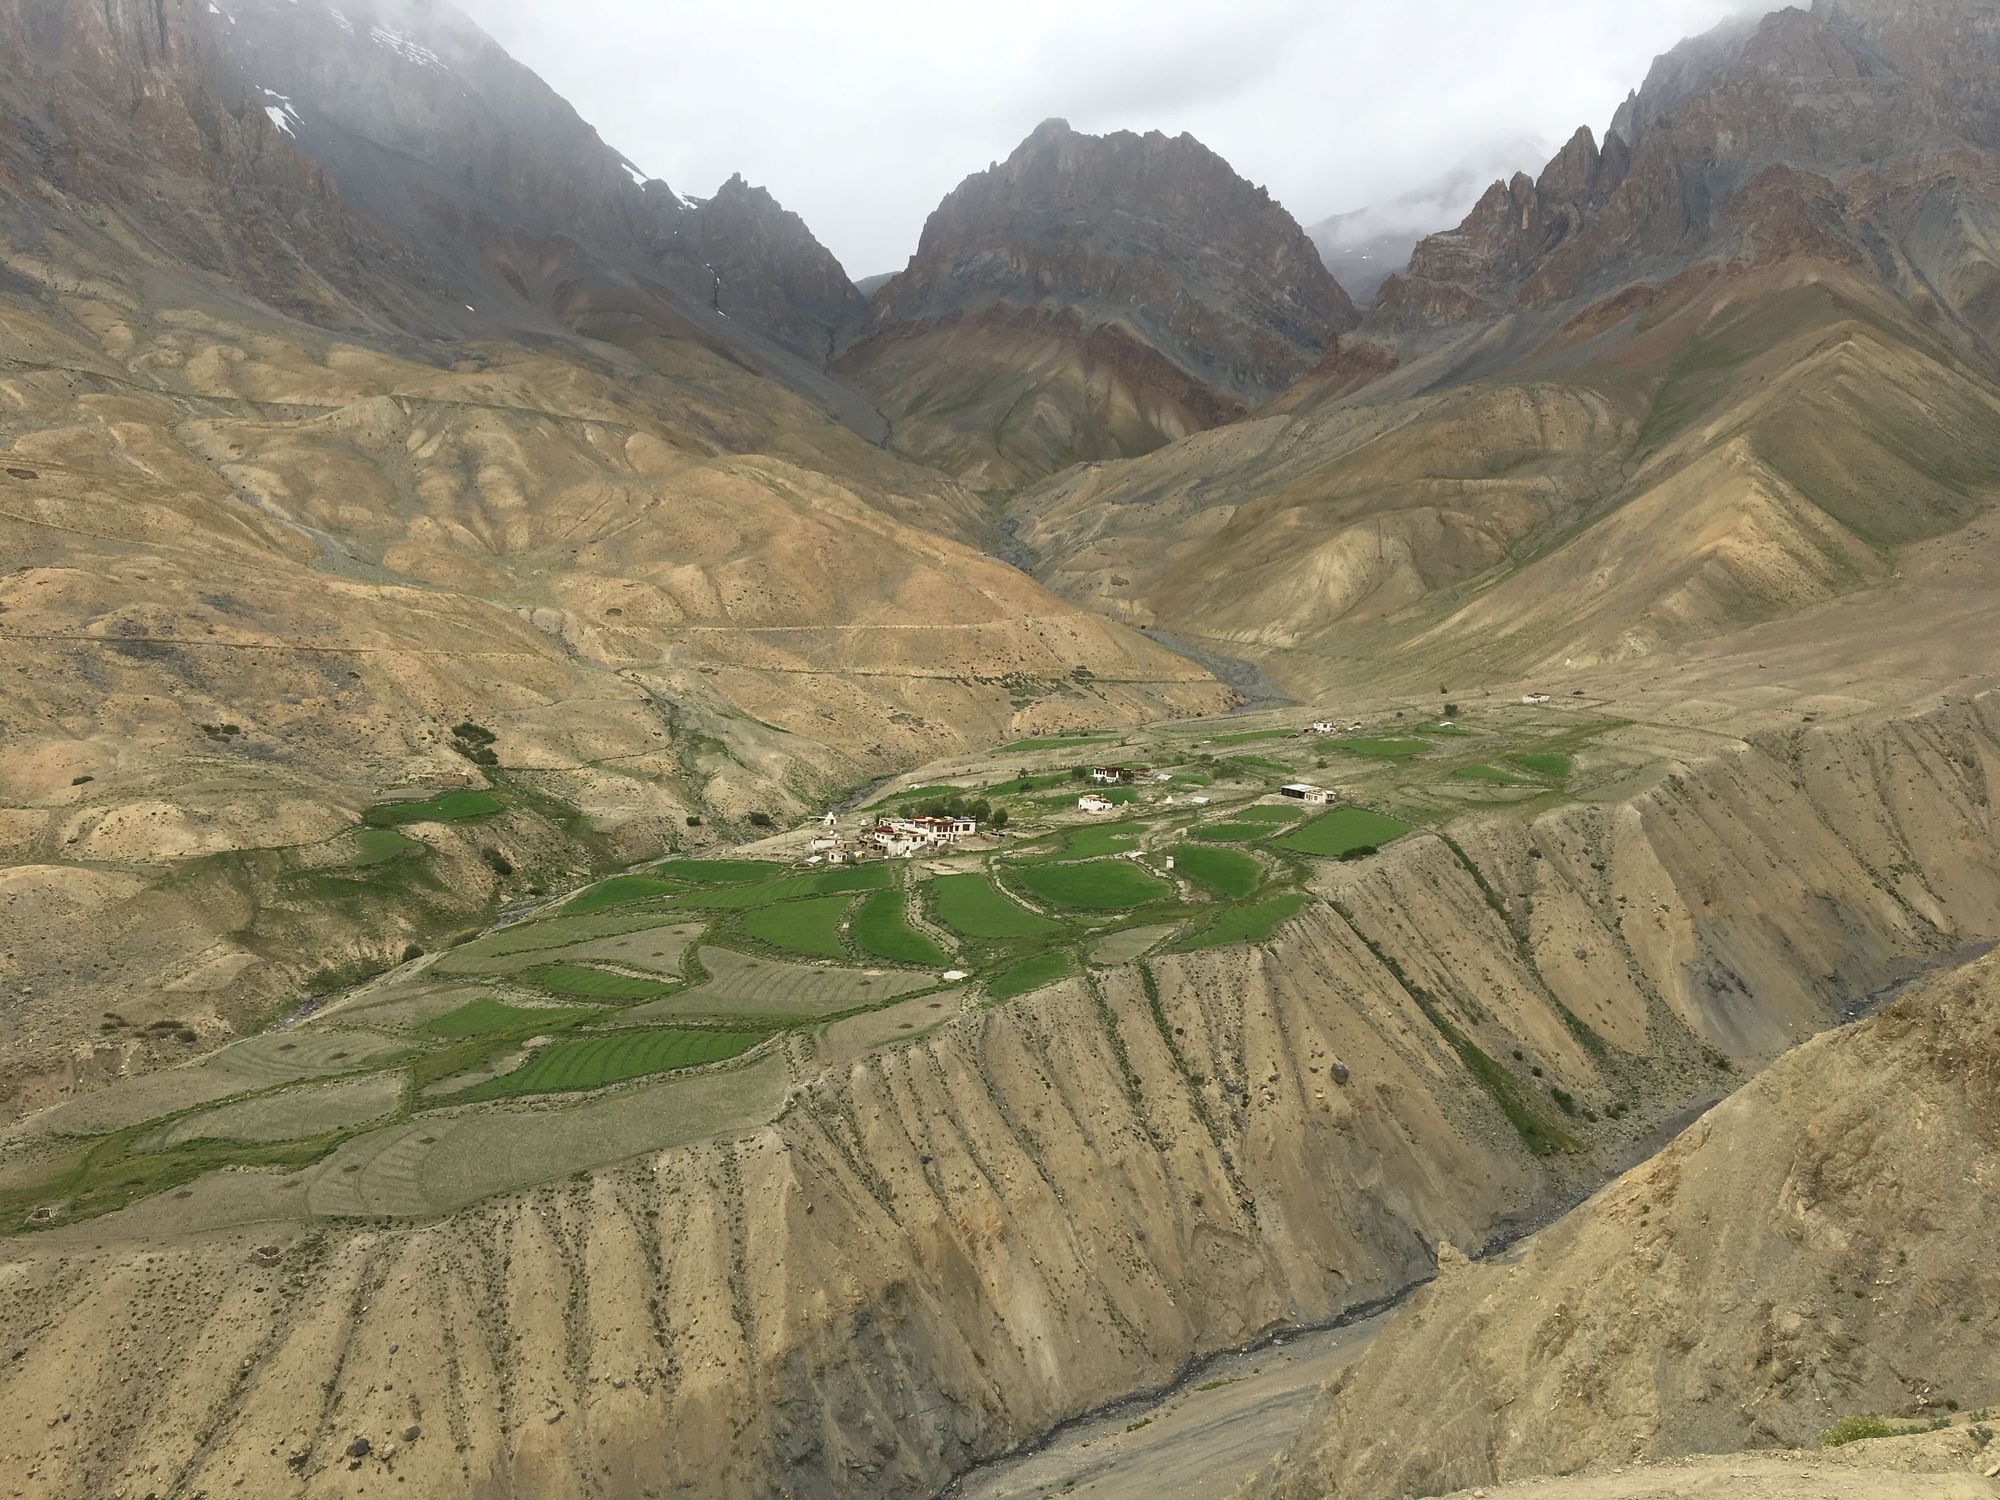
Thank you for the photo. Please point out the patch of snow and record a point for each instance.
(470, 308)
(638, 177)
(281, 113)
(341, 20)
(406, 47)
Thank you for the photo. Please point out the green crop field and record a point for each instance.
(1231, 833)
(446, 807)
(1249, 735)
(1057, 743)
(1029, 974)
(1244, 924)
(842, 881)
(1097, 839)
(620, 889)
(1380, 749)
(1487, 773)
(484, 1017)
(718, 871)
(1098, 885)
(917, 793)
(1227, 872)
(1269, 812)
(882, 929)
(1343, 830)
(1117, 796)
(593, 1062)
(377, 846)
(1556, 767)
(971, 906)
(593, 984)
(1020, 786)
(811, 926)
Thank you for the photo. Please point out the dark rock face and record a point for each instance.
(1156, 233)
(384, 161)
(1859, 131)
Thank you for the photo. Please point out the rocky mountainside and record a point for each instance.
(1091, 297)
(1773, 311)
(1858, 131)
(1814, 1249)
(429, 183)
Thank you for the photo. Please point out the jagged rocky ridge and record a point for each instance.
(1093, 296)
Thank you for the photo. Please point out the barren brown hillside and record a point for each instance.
(1813, 1250)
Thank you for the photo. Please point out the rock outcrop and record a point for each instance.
(1091, 297)
(1860, 131)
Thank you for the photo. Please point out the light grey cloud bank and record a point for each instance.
(861, 116)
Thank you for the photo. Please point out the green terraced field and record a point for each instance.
(446, 807)
(1380, 749)
(1556, 767)
(718, 871)
(592, 1062)
(811, 926)
(1248, 735)
(1095, 841)
(971, 906)
(1029, 974)
(1269, 812)
(1098, 885)
(1231, 833)
(882, 929)
(377, 846)
(1058, 743)
(619, 890)
(1344, 830)
(484, 1017)
(1487, 773)
(594, 984)
(1226, 872)
(1244, 924)
(839, 882)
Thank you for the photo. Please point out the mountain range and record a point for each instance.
(417, 522)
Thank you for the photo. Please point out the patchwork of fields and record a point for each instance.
(711, 979)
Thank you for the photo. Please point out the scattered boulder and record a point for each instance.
(18, 473)
(360, 1447)
(412, 1433)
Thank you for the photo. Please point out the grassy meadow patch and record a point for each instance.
(485, 1017)
(1029, 974)
(1228, 873)
(1244, 924)
(882, 929)
(811, 926)
(972, 906)
(1343, 831)
(593, 1062)
(1094, 885)
(446, 807)
(592, 983)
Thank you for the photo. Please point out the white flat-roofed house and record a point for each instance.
(1091, 802)
(1323, 726)
(1303, 791)
(1110, 775)
(1534, 697)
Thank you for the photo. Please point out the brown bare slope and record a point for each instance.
(1817, 1247)
(277, 515)
(937, 1251)
(1091, 296)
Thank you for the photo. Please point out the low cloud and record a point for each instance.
(862, 116)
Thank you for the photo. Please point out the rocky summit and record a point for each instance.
(1092, 297)
(629, 870)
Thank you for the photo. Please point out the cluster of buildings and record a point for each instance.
(890, 838)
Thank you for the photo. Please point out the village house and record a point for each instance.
(1302, 791)
(1534, 697)
(1322, 726)
(1091, 802)
(899, 838)
(1110, 775)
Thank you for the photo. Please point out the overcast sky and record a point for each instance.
(861, 115)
